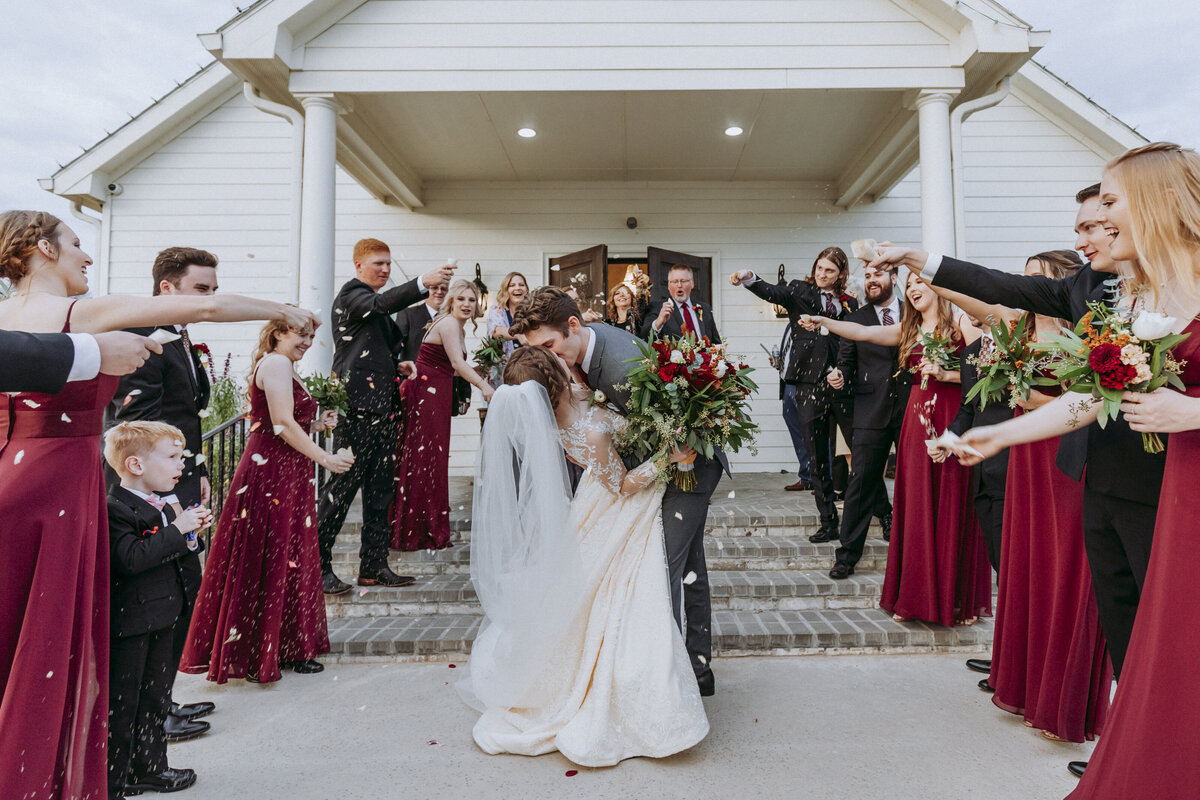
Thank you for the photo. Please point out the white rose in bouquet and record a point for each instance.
(1151, 325)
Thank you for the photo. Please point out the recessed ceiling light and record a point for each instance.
(527, 133)
(733, 130)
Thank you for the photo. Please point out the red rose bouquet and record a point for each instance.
(685, 392)
(1112, 351)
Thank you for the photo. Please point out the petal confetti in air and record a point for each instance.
(243, 489)
(17, 459)
(432, 390)
(678, 515)
(31, 404)
(64, 511)
(293, 565)
(689, 579)
(65, 418)
(255, 426)
(233, 635)
(364, 353)
(308, 522)
(50, 674)
(203, 413)
(278, 429)
(258, 458)
(200, 458)
(703, 660)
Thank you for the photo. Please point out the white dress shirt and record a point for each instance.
(894, 306)
(87, 357)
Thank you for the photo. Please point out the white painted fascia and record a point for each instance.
(1086, 121)
(276, 29)
(86, 178)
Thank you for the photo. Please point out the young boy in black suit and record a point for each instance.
(148, 597)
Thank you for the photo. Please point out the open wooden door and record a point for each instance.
(586, 270)
(659, 263)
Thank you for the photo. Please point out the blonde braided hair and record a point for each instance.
(20, 232)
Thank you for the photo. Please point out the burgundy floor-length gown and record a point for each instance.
(937, 568)
(261, 601)
(1148, 749)
(421, 510)
(1049, 660)
(54, 591)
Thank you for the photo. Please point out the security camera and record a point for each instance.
(115, 189)
(631, 223)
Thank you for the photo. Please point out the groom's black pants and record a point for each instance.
(684, 517)
(373, 440)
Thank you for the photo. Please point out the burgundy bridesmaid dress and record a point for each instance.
(1147, 749)
(54, 591)
(421, 510)
(1049, 660)
(261, 601)
(937, 568)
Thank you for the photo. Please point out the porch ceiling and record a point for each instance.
(800, 135)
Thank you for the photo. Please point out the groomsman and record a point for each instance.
(413, 322)
(880, 396)
(680, 314)
(1121, 480)
(366, 345)
(811, 356)
(173, 388)
(45, 362)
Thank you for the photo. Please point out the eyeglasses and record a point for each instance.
(679, 282)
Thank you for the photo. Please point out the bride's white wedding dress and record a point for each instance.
(579, 652)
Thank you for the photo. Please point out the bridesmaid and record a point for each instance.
(260, 606)
(1049, 660)
(421, 510)
(622, 310)
(937, 568)
(54, 577)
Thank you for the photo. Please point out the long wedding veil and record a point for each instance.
(525, 562)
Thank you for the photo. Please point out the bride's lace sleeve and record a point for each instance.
(591, 444)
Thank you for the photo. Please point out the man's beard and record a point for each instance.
(885, 297)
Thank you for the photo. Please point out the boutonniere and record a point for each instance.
(699, 312)
(597, 398)
(201, 351)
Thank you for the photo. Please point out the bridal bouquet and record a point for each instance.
(939, 351)
(1111, 351)
(1011, 365)
(329, 391)
(685, 392)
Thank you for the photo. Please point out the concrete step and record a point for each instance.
(747, 550)
(746, 590)
(448, 637)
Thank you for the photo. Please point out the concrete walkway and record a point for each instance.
(828, 727)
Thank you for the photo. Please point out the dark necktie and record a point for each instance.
(887, 317)
(187, 348)
(830, 308)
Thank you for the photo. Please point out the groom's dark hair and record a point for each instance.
(546, 306)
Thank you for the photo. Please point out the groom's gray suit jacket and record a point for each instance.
(611, 365)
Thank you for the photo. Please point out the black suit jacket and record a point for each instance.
(880, 386)
(367, 344)
(1116, 461)
(674, 325)
(812, 353)
(412, 323)
(35, 362)
(166, 389)
(970, 416)
(147, 585)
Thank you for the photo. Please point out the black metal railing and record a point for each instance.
(223, 446)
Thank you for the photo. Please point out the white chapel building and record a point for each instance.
(747, 134)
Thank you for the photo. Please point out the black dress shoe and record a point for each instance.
(1076, 768)
(985, 686)
(707, 684)
(383, 576)
(333, 585)
(192, 710)
(309, 667)
(841, 571)
(885, 522)
(169, 780)
(983, 665)
(824, 535)
(181, 730)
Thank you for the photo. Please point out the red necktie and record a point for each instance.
(687, 319)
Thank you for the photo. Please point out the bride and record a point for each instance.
(578, 651)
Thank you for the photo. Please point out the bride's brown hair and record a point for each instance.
(536, 363)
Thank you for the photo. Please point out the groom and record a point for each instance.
(599, 357)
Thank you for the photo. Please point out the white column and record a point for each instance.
(317, 220)
(937, 195)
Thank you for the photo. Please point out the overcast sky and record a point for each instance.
(70, 70)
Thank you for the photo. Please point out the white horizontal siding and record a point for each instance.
(224, 184)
